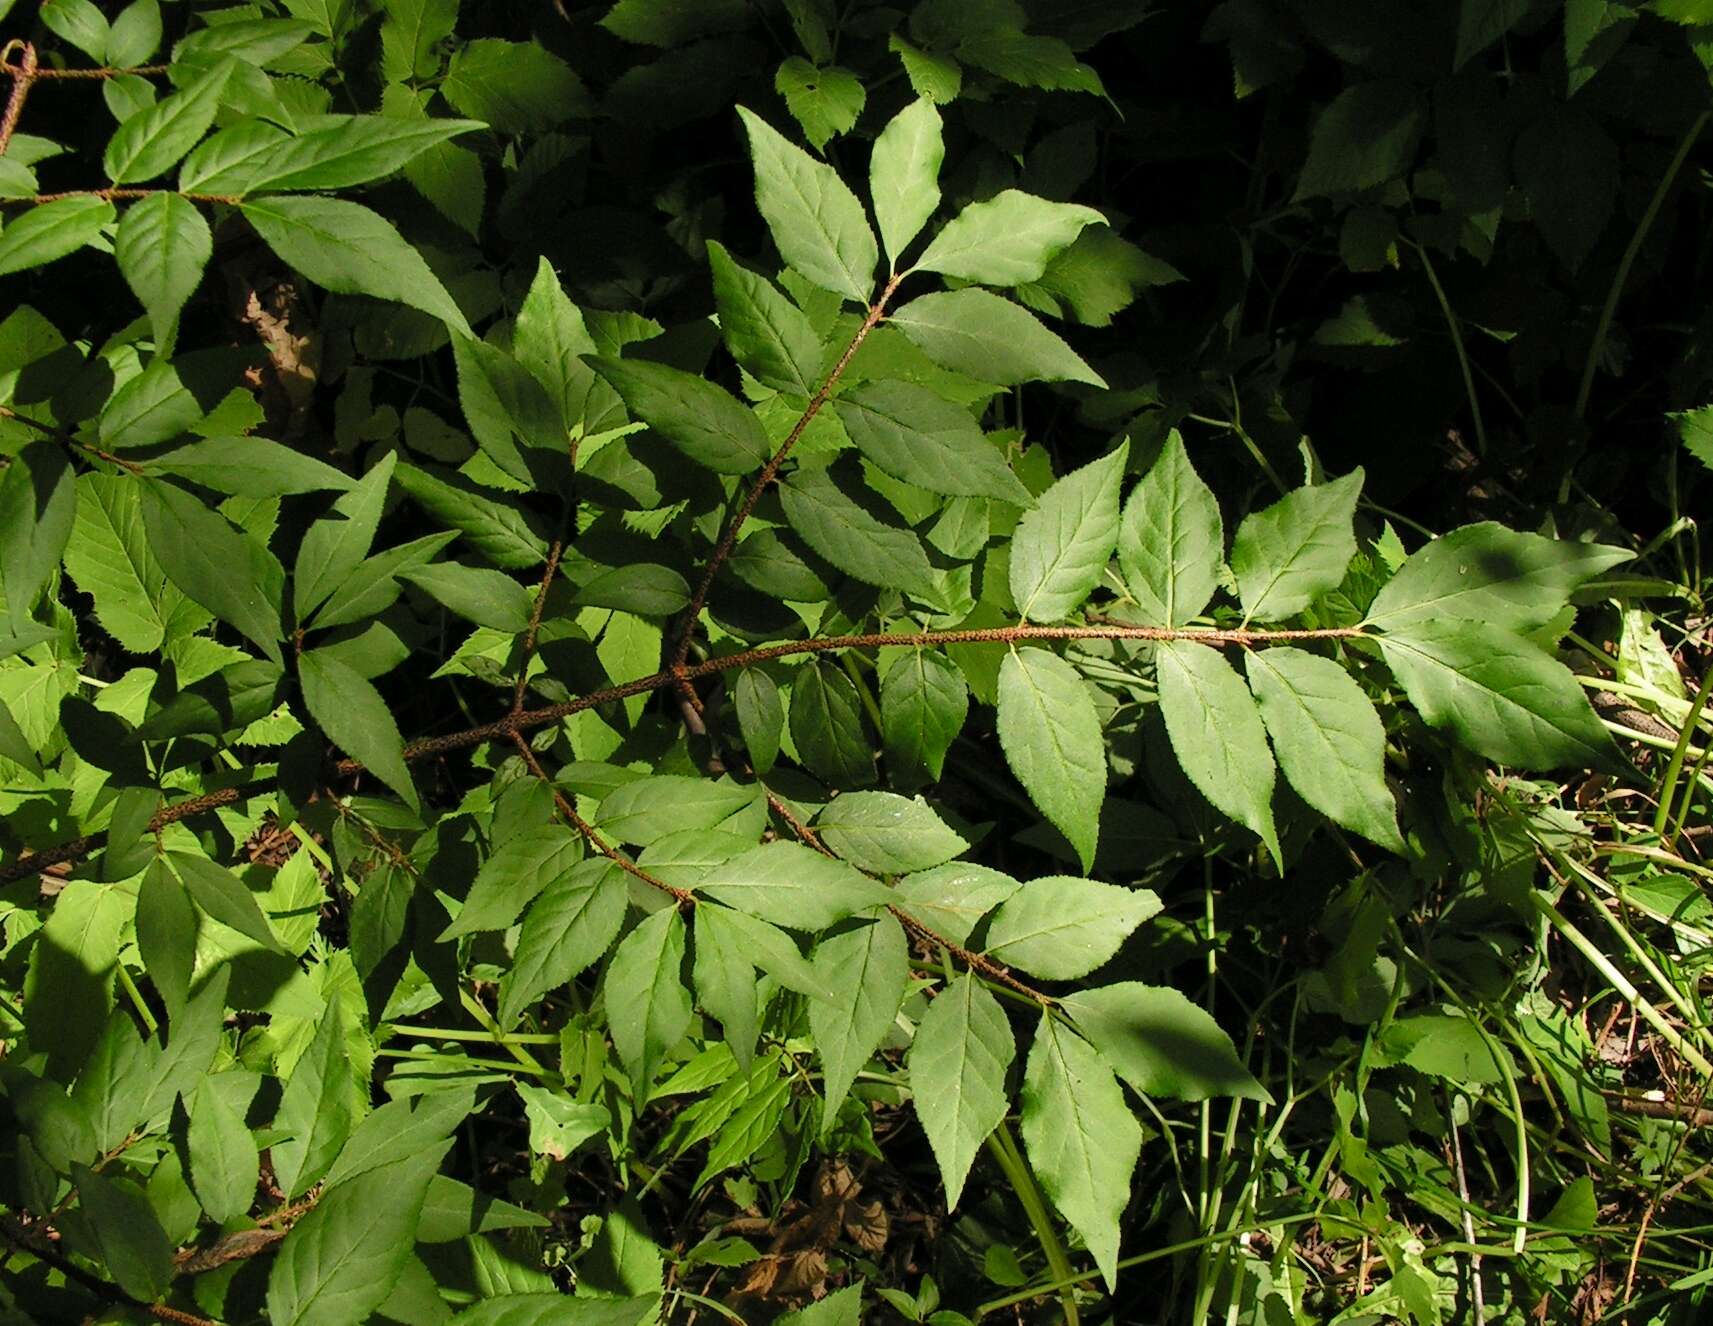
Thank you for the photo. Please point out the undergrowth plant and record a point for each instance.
(517, 810)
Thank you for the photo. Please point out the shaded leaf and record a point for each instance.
(1052, 740)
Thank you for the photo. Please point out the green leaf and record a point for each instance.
(352, 149)
(68, 990)
(399, 1130)
(553, 1309)
(1217, 734)
(643, 588)
(558, 1125)
(513, 86)
(825, 101)
(348, 249)
(550, 340)
(923, 704)
(1694, 430)
(789, 885)
(1503, 697)
(151, 141)
(228, 160)
(454, 1210)
(936, 78)
(80, 23)
(339, 1262)
(1171, 541)
(223, 1158)
(1062, 547)
(670, 23)
(1295, 550)
(510, 414)
(817, 223)
(373, 584)
(1443, 1046)
(953, 898)
(957, 1064)
(500, 533)
(15, 746)
(351, 711)
(887, 834)
(977, 333)
(904, 175)
(1161, 1043)
(1329, 740)
(513, 875)
(648, 1008)
(38, 505)
(110, 560)
(379, 916)
(1080, 1136)
(826, 726)
(132, 1243)
(411, 34)
(761, 717)
(767, 947)
(318, 1108)
(647, 809)
(222, 895)
(48, 232)
(837, 516)
(725, 980)
(769, 335)
(1567, 166)
(1060, 927)
(567, 929)
(1007, 240)
(926, 440)
(870, 962)
(163, 247)
(486, 597)
(1487, 573)
(166, 925)
(250, 467)
(1480, 23)
(703, 420)
(1366, 137)
(1028, 60)
(1052, 740)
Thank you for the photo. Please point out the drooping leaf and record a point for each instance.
(38, 504)
(1171, 540)
(1487, 573)
(152, 140)
(513, 86)
(923, 704)
(926, 440)
(166, 927)
(230, 573)
(839, 518)
(351, 149)
(513, 875)
(904, 175)
(1286, 555)
(317, 1108)
(163, 247)
(1502, 696)
(725, 980)
(488, 598)
(351, 711)
(1161, 1043)
(566, 929)
(765, 332)
(647, 809)
(1060, 927)
(1080, 1136)
(134, 1247)
(1051, 736)
(1217, 734)
(223, 1157)
(700, 418)
(827, 728)
(250, 467)
(886, 833)
(348, 249)
(1062, 547)
(1007, 240)
(48, 232)
(1567, 166)
(648, 1008)
(374, 584)
(791, 886)
(761, 716)
(871, 962)
(502, 534)
(957, 1063)
(1368, 135)
(222, 895)
(983, 336)
(1328, 738)
(817, 223)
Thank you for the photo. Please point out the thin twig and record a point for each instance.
(770, 471)
(124, 195)
(74, 75)
(24, 75)
(683, 897)
(553, 555)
